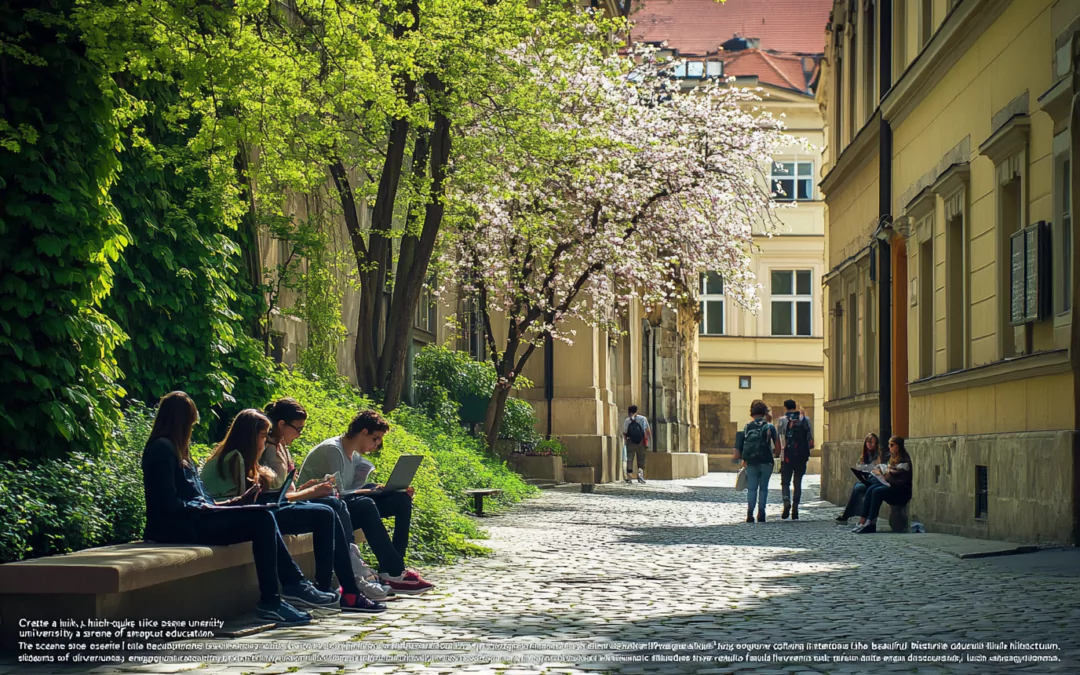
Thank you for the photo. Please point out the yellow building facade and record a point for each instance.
(775, 353)
(948, 187)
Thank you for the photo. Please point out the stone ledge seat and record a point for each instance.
(137, 580)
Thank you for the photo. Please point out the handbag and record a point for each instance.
(740, 480)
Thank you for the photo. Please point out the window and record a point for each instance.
(870, 347)
(679, 70)
(852, 365)
(714, 68)
(926, 22)
(472, 330)
(1063, 233)
(899, 22)
(744, 382)
(793, 181)
(695, 69)
(712, 304)
(1011, 211)
(956, 309)
(982, 492)
(836, 358)
(838, 109)
(792, 299)
(926, 307)
(869, 61)
(425, 318)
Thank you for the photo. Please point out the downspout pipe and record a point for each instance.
(549, 378)
(884, 270)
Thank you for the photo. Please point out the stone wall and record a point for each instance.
(1030, 480)
(837, 458)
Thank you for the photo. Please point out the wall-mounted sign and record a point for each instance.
(1029, 282)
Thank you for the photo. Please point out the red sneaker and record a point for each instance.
(408, 583)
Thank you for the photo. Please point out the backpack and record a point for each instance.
(796, 440)
(634, 433)
(756, 437)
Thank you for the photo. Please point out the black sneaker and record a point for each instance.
(761, 516)
(842, 520)
(360, 604)
(749, 516)
(786, 513)
(869, 528)
(795, 513)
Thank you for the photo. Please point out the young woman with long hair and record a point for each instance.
(180, 511)
(757, 447)
(234, 467)
(896, 490)
(870, 457)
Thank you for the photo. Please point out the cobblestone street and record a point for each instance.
(673, 563)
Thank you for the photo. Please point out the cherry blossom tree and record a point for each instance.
(595, 181)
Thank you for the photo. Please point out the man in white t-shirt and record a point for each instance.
(637, 437)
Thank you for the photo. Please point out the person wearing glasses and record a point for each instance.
(894, 486)
(287, 419)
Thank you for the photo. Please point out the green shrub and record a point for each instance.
(57, 506)
(447, 379)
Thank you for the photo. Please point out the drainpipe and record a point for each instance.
(549, 377)
(884, 270)
(885, 284)
(656, 414)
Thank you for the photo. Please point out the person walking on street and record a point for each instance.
(637, 436)
(796, 440)
(757, 447)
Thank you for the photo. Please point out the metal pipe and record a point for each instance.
(885, 285)
(549, 377)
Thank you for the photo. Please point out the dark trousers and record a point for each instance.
(635, 450)
(361, 512)
(321, 521)
(787, 471)
(876, 495)
(397, 505)
(224, 527)
(343, 536)
(856, 500)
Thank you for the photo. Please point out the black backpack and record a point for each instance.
(634, 433)
(756, 438)
(797, 440)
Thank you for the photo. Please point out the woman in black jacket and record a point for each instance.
(178, 511)
(896, 489)
(872, 455)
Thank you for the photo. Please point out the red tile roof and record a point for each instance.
(700, 26)
(788, 71)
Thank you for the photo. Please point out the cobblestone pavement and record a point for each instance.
(672, 562)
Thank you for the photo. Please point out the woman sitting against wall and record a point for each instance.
(894, 487)
(872, 456)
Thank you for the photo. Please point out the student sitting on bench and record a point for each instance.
(342, 458)
(234, 467)
(180, 511)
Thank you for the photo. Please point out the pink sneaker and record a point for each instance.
(408, 583)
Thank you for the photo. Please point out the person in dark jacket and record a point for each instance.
(179, 511)
(895, 490)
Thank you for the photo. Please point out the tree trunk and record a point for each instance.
(394, 356)
(249, 245)
(496, 410)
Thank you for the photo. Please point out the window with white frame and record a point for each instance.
(792, 181)
(712, 304)
(792, 301)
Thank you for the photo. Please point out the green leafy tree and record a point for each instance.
(62, 236)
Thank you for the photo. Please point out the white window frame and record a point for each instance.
(795, 178)
(706, 298)
(795, 299)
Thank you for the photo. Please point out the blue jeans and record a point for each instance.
(856, 500)
(757, 485)
(878, 494)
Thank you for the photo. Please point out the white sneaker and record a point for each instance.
(366, 579)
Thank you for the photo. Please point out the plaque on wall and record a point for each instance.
(1017, 278)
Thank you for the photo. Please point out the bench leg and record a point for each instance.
(478, 504)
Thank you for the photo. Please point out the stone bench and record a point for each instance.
(899, 518)
(675, 465)
(135, 581)
(478, 498)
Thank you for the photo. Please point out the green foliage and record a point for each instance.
(61, 235)
(174, 292)
(549, 447)
(446, 379)
(57, 506)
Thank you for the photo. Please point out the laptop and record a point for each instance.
(866, 477)
(275, 498)
(403, 474)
